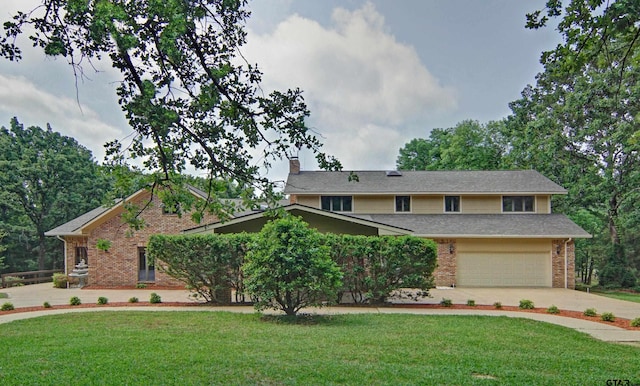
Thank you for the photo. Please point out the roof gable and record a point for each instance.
(425, 182)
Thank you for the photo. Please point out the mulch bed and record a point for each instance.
(619, 322)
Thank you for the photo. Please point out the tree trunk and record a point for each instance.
(41, 251)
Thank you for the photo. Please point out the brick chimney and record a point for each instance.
(294, 165)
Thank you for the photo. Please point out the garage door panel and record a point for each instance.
(502, 269)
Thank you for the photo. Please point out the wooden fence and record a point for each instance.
(31, 277)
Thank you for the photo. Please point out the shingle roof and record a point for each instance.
(483, 225)
(74, 226)
(428, 182)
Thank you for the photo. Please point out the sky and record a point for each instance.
(375, 73)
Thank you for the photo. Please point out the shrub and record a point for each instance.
(209, 265)
(46, 305)
(590, 312)
(526, 304)
(155, 298)
(7, 307)
(60, 280)
(608, 317)
(497, 305)
(141, 286)
(103, 245)
(471, 302)
(635, 322)
(75, 301)
(288, 268)
(446, 302)
(13, 281)
(553, 310)
(374, 267)
(133, 300)
(102, 300)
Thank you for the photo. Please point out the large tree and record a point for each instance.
(45, 180)
(581, 118)
(467, 146)
(186, 89)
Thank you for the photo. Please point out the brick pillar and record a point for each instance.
(445, 273)
(557, 264)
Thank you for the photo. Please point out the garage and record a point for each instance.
(509, 263)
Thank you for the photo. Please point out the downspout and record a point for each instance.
(566, 263)
(64, 242)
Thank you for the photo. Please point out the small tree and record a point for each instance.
(289, 267)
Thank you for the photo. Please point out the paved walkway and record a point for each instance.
(36, 295)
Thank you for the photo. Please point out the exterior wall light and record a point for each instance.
(451, 249)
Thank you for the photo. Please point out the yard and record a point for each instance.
(228, 348)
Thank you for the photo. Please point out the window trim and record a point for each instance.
(444, 202)
(142, 251)
(395, 203)
(522, 204)
(342, 198)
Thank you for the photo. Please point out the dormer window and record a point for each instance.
(517, 203)
(403, 203)
(452, 204)
(337, 203)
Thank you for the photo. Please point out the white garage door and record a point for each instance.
(504, 269)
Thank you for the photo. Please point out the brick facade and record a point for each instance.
(119, 266)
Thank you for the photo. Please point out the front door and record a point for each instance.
(146, 271)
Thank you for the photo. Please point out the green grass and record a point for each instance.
(628, 296)
(192, 348)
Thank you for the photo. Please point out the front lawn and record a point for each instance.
(621, 295)
(189, 348)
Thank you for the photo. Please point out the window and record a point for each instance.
(336, 203)
(517, 203)
(403, 204)
(452, 203)
(81, 253)
(146, 272)
(169, 210)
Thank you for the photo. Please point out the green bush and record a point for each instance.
(553, 310)
(13, 281)
(102, 300)
(75, 301)
(590, 312)
(46, 305)
(288, 267)
(497, 305)
(60, 280)
(133, 300)
(526, 304)
(141, 286)
(635, 322)
(608, 317)
(471, 302)
(155, 298)
(374, 267)
(446, 302)
(7, 307)
(210, 265)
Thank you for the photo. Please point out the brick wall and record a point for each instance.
(445, 273)
(119, 265)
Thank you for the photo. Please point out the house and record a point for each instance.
(493, 228)
(125, 262)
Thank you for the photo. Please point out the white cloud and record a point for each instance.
(364, 88)
(35, 107)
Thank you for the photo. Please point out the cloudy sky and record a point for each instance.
(375, 73)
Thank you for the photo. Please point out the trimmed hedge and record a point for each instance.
(373, 267)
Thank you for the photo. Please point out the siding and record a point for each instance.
(374, 204)
(427, 204)
(481, 204)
